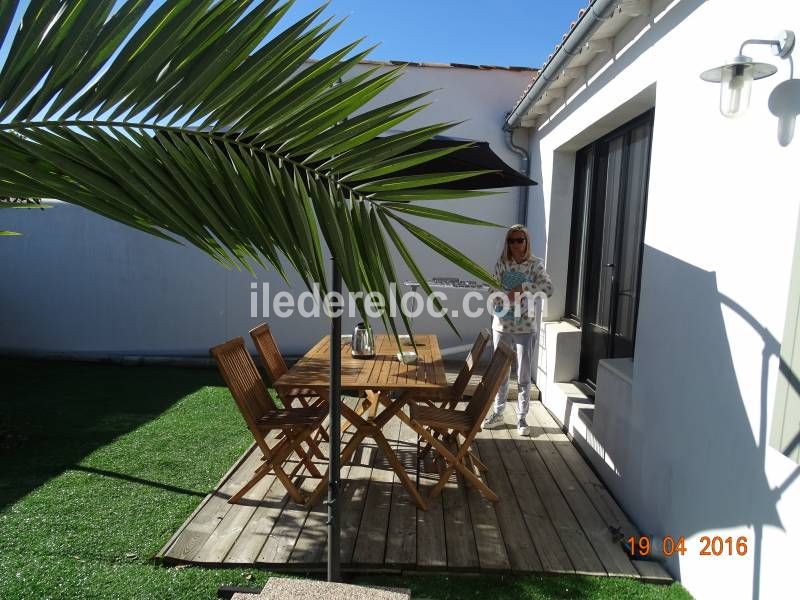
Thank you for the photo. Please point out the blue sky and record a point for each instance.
(491, 32)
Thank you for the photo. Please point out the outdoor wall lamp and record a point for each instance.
(736, 77)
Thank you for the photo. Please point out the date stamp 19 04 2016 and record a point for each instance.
(716, 545)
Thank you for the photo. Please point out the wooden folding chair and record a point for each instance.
(452, 424)
(455, 393)
(262, 417)
(273, 363)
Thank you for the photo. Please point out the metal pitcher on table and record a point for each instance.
(362, 345)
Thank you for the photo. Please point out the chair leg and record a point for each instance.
(306, 460)
(322, 435)
(456, 462)
(401, 472)
(273, 461)
(347, 454)
(477, 462)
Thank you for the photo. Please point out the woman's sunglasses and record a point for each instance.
(519, 240)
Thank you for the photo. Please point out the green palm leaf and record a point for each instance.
(194, 120)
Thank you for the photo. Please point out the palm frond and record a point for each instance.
(197, 120)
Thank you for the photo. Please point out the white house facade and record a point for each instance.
(672, 238)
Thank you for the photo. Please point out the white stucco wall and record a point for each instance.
(79, 284)
(722, 219)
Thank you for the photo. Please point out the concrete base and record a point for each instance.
(281, 588)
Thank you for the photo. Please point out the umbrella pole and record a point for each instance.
(334, 453)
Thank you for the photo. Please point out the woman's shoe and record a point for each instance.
(493, 420)
(522, 427)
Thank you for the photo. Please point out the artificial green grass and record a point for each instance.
(102, 463)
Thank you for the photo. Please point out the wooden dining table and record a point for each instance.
(383, 379)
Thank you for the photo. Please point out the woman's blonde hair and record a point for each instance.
(505, 254)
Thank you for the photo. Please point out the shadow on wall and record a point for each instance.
(705, 468)
(47, 428)
(784, 103)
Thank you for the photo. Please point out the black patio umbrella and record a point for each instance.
(476, 157)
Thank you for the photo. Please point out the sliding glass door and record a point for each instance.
(606, 242)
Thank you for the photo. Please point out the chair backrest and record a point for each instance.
(245, 384)
(484, 394)
(465, 374)
(271, 357)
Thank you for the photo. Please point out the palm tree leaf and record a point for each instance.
(387, 266)
(401, 163)
(415, 195)
(86, 17)
(24, 51)
(393, 184)
(435, 213)
(105, 43)
(449, 252)
(7, 10)
(413, 267)
(258, 68)
(191, 120)
(383, 148)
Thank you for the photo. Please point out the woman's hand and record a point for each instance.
(513, 293)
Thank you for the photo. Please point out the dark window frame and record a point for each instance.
(580, 222)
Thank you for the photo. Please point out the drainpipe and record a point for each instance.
(522, 207)
(595, 14)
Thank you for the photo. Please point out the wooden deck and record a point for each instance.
(554, 515)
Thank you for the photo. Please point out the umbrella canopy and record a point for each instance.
(478, 156)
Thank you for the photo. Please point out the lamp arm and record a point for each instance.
(782, 46)
(775, 43)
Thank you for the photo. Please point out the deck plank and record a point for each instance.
(354, 496)
(581, 554)
(549, 546)
(431, 543)
(312, 541)
(283, 537)
(255, 533)
(228, 529)
(370, 545)
(462, 552)
(614, 559)
(401, 545)
(652, 572)
(492, 554)
(522, 554)
(213, 509)
(599, 495)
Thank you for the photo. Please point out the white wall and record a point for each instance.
(79, 284)
(722, 219)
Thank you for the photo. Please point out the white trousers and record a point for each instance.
(522, 343)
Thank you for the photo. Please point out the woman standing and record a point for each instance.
(522, 275)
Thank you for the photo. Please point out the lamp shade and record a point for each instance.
(736, 79)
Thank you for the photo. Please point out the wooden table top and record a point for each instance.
(382, 373)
